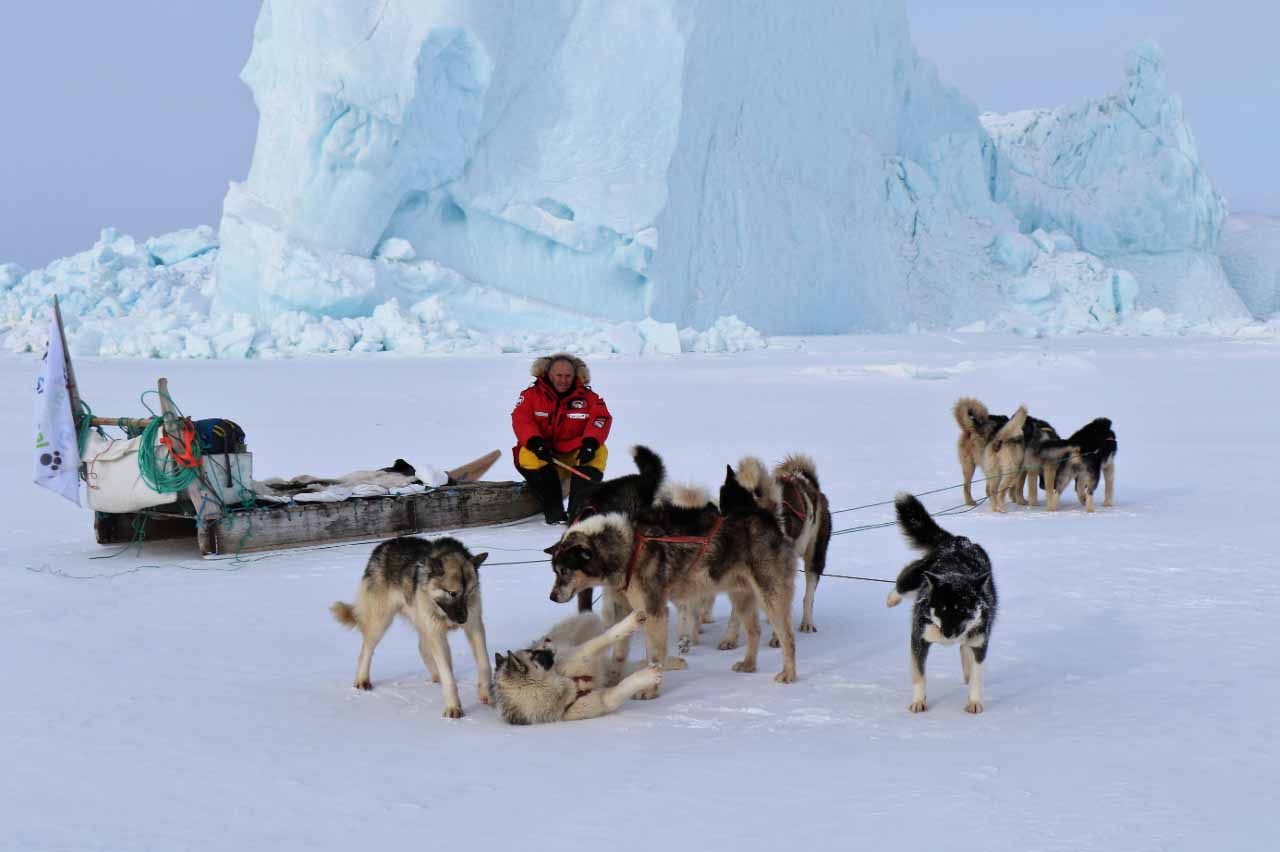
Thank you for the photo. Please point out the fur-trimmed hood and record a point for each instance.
(540, 366)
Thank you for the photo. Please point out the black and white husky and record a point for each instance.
(955, 599)
(1087, 456)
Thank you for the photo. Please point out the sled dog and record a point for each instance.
(1088, 454)
(434, 584)
(1002, 459)
(792, 493)
(1035, 434)
(955, 599)
(978, 427)
(630, 494)
(743, 553)
(561, 676)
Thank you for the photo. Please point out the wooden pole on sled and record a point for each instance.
(207, 506)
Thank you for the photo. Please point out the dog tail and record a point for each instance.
(970, 414)
(1056, 451)
(345, 613)
(798, 464)
(686, 496)
(920, 529)
(1012, 430)
(652, 471)
(754, 476)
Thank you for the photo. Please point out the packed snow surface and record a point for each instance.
(163, 702)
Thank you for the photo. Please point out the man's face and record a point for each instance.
(561, 375)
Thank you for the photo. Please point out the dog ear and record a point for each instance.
(551, 551)
(478, 559)
(544, 658)
(435, 567)
(515, 664)
(729, 475)
(927, 581)
(988, 583)
(498, 660)
(585, 551)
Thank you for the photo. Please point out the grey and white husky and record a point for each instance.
(955, 599)
(435, 585)
(561, 677)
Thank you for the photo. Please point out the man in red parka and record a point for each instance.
(559, 417)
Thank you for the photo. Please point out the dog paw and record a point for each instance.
(435, 678)
(917, 707)
(485, 697)
(810, 627)
(708, 618)
(640, 616)
(973, 707)
(452, 713)
(744, 667)
(647, 694)
(364, 685)
(654, 676)
(674, 664)
(784, 676)
(684, 644)
(969, 501)
(728, 644)
(893, 600)
(1107, 503)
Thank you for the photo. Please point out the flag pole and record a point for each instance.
(73, 390)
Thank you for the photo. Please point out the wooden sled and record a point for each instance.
(220, 530)
(229, 529)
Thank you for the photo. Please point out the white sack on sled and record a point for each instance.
(114, 481)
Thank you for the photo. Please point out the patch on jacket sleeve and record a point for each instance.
(599, 423)
(578, 403)
(577, 415)
(542, 414)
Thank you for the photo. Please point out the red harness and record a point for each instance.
(703, 541)
(797, 512)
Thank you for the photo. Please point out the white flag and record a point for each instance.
(57, 452)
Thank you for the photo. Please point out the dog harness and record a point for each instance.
(703, 541)
(803, 516)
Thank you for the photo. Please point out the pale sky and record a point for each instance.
(132, 113)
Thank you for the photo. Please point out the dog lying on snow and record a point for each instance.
(561, 677)
(742, 553)
(435, 585)
(955, 599)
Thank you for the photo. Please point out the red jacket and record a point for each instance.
(562, 421)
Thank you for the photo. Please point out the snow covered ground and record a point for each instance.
(174, 703)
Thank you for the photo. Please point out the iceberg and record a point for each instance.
(1121, 177)
(443, 176)
(1251, 258)
(655, 159)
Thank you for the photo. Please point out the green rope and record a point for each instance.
(163, 476)
(84, 427)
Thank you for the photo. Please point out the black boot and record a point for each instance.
(580, 490)
(544, 483)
